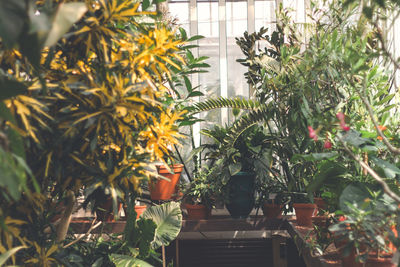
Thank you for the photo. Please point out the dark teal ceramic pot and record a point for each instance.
(241, 194)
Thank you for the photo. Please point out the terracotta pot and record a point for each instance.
(350, 260)
(392, 248)
(139, 210)
(197, 212)
(272, 211)
(320, 202)
(384, 261)
(105, 211)
(164, 189)
(304, 213)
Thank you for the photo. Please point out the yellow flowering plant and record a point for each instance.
(90, 106)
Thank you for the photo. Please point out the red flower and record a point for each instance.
(312, 134)
(327, 144)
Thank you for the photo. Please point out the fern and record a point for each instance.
(238, 103)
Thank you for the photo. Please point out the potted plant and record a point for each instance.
(165, 186)
(272, 197)
(237, 166)
(365, 233)
(199, 196)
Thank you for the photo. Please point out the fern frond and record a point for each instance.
(245, 122)
(223, 102)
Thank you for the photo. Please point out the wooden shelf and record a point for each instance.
(223, 227)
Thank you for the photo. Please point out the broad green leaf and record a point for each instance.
(168, 218)
(354, 138)
(354, 194)
(67, 14)
(127, 261)
(388, 168)
(147, 228)
(145, 4)
(6, 255)
(328, 170)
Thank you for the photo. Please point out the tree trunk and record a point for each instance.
(62, 227)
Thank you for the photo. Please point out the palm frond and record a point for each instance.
(246, 121)
(222, 102)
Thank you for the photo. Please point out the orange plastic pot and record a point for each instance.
(304, 213)
(197, 212)
(163, 189)
(272, 211)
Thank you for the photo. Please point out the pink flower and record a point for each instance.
(327, 144)
(312, 134)
(343, 125)
(340, 116)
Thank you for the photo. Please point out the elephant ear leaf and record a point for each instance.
(168, 218)
(127, 261)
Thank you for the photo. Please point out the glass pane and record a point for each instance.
(180, 12)
(209, 46)
(265, 15)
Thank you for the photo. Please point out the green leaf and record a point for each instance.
(12, 18)
(168, 218)
(195, 93)
(354, 194)
(315, 156)
(67, 15)
(16, 141)
(235, 168)
(147, 228)
(354, 138)
(188, 84)
(6, 255)
(196, 37)
(127, 261)
(145, 4)
(10, 88)
(389, 169)
(328, 170)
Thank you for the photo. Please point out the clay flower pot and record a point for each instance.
(304, 213)
(382, 261)
(139, 210)
(164, 189)
(272, 211)
(197, 212)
